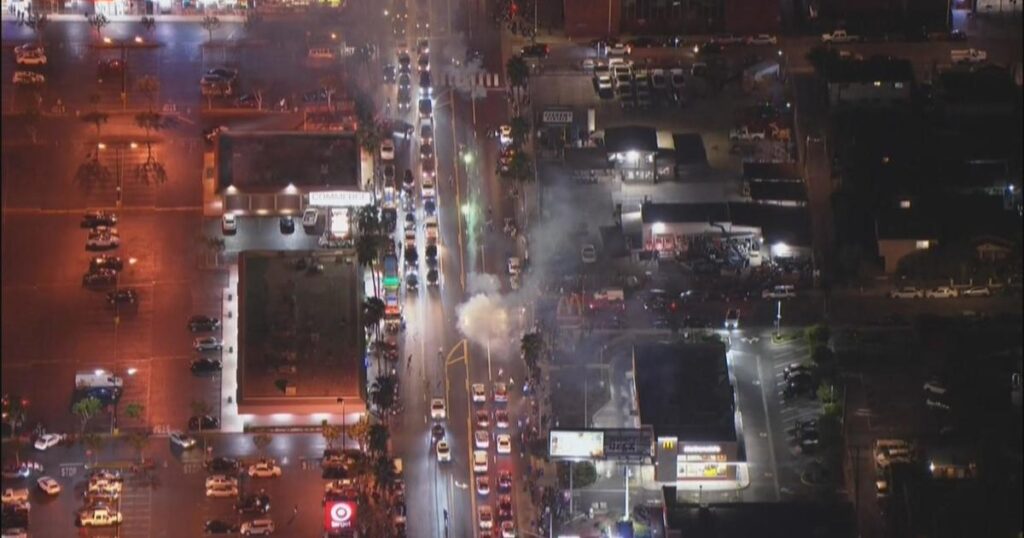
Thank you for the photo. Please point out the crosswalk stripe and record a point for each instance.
(487, 80)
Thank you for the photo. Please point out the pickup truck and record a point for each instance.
(99, 517)
(968, 56)
(839, 36)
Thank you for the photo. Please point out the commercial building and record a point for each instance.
(877, 81)
(764, 520)
(300, 338)
(684, 394)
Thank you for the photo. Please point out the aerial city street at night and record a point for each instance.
(512, 268)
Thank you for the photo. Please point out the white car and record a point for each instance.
(30, 54)
(588, 253)
(14, 495)
(444, 452)
(28, 78)
(207, 343)
(501, 419)
(49, 485)
(219, 480)
(762, 39)
(479, 461)
(906, 292)
(437, 409)
(483, 486)
(257, 526)
(264, 469)
(508, 529)
(229, 224)
(500, 392)
(100, 517)
(47, 440)
(485, 517)
(222, 491)
(387, 150)
(103, 486)
(103, 242)
(309, 217)
(183, 439)
(941, 292)
(428, 188)
(505, 134)
(479, 393)
(976, 291)
(482, 440)
(504, 443)
(514, 266)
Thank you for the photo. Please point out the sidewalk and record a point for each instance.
(80, 17)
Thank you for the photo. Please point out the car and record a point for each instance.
(423, 62)
(48, 440)
(941, 292)
(795, 369)
(229, 224)
(309, 217)
(426, 151)
(906, 292)
(404, 82)
(485, 517)
(257, 526)
(588, 253)
(253, 504)
(799, 384)
(479, 393)
(937, 403)
(205, 365)
(976, 291)
(222, 491)
(505, 507)
(106, 262)
(103, 230)
(428, 188)
(500, 392)
(483, 485)
(388, 172)
(784, 291)
(501, 419)
(437, 409)
(387, 150)
(183, 440)
(21, 470)
(221, 464)
(479, 461)
(104, 487)
(808, 439)
(28, 78)
(266, 468)
(481, 439)
(618, 49)
(216, 526)
(205, 422)
(224, 73)
(508, 529)
(437, 432)
(202, 323)
(761, 39)
(505, 134)
(514, 265)
(801, 427)
(93, 219)
(100, 277)
(936, 387)
(286, 224)
(389, 74)
(13, 496)
(732, 318)
(48, 485)
(505, 481)
(248, 100)
(124, 296)
(426, 86)
(444, 452)
(433, 278)
(30, 54)
(99, 517)
(105, 474)
(102, 242)
(426, 133)
(207, 343)
(504, 443)
(408, 181)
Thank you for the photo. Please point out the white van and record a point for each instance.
(782, 291)
(322, 53)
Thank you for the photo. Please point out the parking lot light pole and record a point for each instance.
(778, 318)
(343, 423)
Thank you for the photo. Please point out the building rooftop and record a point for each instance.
(684, 391)
(987, 84)
(874, 69)
(299, 329)
(630, 138)
(268, 161)
(680, 213)
(769, 171)
(775, 191)
(950, 218)
(778, 224)
(763, 520)
(689, 149)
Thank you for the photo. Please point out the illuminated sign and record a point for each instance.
(556, 116)
(340, 198)
(701, 449)
(339, 515)
(574, 444)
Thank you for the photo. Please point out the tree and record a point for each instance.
(373, 311)
(139, 440)
(382, 394)
(377, 439)
(519, 167)
(369, 134)
(134, 410)
(369, 219)
(262, 441)
(360, 431)
(149, 87)
(98, 21)
(583, 474)
(520, 131)
(532, 350)
(85, 410)
(517, 70)
(149, 23)
(330, 83)
(330, 432)
(97, 119)
(210, 23)
(258, 86)
(15, 412)
(818, 335)
(93, 443)
(367, 250)
(151, 169)
(384, 473)
(38, 24)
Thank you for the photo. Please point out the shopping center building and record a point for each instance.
(683, 392)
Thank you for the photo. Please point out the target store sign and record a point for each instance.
(339, 515)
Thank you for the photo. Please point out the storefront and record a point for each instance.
(695, 460)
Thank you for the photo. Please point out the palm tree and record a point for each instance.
(151, 169)
(37, 23)
(520, 131)
(14, 415)
(518, 71)
(149, 23)
(97, 119)
(384, 472)
(373, 311)
(367, 251)
(262, 441)
(532, 350)
(360, 431)
(210, 24)
(382, 394)
(377, 439)
(330, 432)
(85, 410)
(368, 219)
(98, 21)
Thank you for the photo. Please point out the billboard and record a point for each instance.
(576, 444)
(340, 198)
(339, 515)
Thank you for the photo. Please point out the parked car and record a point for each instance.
(101, 277)
(796, 369)
(258, 527)
(941, 292)
(207, 343)
(216, 526)
(286, 224)
(309, 217)
(265, 468)
(124, 296)
(183, 440)
(28, 78)
(762, 39)
(205, 422)
(976, 291)
(201, 323)
(222, 464)
(93, 219)
(102, 242)
(253, 504)
(205, 365)
(106, 262)
(229, 224)
(732, 318)
(48, 440)
(906, 292)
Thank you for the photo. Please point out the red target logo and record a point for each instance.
(339, 515)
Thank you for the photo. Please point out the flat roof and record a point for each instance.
(778, 190)
(771, 171)
(268, 161)
(689, 149)
(679, 212)
(684, 390)
(876, 68)
(761, 519)
(630, 138)
(778, 224)
(299, 328)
